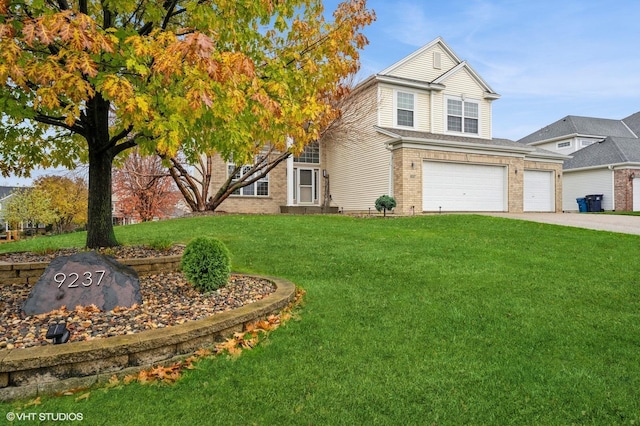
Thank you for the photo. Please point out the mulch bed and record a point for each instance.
(167, 300)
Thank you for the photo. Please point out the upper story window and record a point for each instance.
(462, 116)
(404, 109)
(564, 144)
(311, 154)
(586, 142)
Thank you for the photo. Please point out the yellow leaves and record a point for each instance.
(116, 88)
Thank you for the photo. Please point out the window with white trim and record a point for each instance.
(586, 142)
(310, 154)
(404, 109)
(564, 144)
(259, 188)
(462, 116)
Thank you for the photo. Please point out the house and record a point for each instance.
(422, 134)
(5, 195)
(605, 159)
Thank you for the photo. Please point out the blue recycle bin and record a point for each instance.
(582, 204)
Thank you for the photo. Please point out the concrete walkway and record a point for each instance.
(601, 222)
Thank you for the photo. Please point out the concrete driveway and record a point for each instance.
(601, 222)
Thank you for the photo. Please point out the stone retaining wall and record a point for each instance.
(27, 274)
(49, 369)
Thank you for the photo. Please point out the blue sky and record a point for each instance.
(547, 59)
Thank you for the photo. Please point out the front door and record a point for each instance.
(305, 186)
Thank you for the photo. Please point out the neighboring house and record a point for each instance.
(605, 159)
(5, 195)
(423, 136)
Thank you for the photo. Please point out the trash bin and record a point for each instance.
(582, 204)
(594, 202)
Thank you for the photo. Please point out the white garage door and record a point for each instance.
(463, 187)
(538, 191)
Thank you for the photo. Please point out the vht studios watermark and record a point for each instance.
(52, 417)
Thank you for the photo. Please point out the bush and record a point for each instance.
(385, 203)
(206, 263)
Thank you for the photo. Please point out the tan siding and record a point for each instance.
(463, 84)
(385, 105)
(422, 115)
(421, 67)
(358, 163)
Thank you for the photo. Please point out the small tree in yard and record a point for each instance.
(28, 205)
(143, 188)
(68, 201)
(385, 203)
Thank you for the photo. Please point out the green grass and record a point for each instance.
(452, 319)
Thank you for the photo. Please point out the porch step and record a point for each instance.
(308, 210)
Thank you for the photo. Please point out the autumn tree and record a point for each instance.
(28, 206)
(90, 79)
(143, 188)
(68, 200)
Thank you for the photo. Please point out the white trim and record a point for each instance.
(290, 185)
(418, 52)
(395, 108)
(464, 100)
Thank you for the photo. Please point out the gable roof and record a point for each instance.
(633, 122)
(610, 151)
(5, 191)
(573, 125)
(389, 73)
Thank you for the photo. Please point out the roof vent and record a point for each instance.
(437, 60)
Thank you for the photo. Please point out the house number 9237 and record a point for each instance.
(74, 280)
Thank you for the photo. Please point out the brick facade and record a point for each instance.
(623, 188)
(252, 204)
(407, 175)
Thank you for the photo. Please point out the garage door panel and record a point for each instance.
(463, 187)
(539, 191)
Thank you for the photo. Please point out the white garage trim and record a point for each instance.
(636, 194)
(463, 187)
(539, 191)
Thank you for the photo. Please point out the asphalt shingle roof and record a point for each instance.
(572, 124)
(633, 122)
(612, 150)
(6, 190)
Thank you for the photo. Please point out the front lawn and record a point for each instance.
(452, 319)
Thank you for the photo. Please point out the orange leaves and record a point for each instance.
(75, 30)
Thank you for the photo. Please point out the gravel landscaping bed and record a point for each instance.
(167, 300)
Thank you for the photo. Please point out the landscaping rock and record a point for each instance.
(84, 279)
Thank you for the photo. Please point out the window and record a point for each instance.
(565, 144)
(404, 109)
(258, 188)
(585, 142)
(311, 154)
(462, 116)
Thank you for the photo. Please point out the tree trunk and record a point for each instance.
(101, 152)
(99, 223)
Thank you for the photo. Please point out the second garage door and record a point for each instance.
(538, 191)
(463, 187)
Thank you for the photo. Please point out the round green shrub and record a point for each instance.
(206, 263)
(385, 203)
